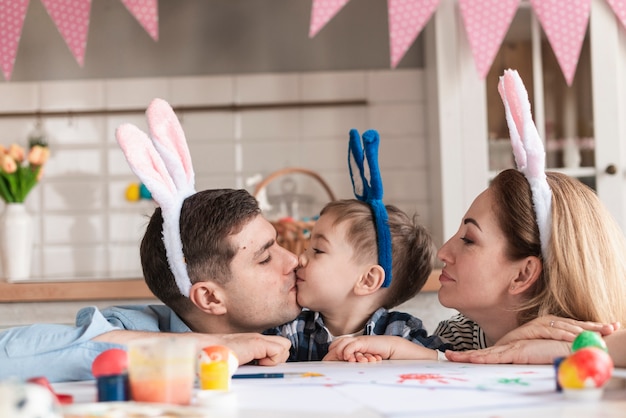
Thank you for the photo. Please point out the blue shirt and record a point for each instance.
(65, 352)
(310, 338)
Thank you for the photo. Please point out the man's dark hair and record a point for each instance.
(207, 219)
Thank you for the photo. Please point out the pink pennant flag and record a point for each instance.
(147, 14)
(565, 23)
(407, 18)
(12, 15)
(321, 13)
(619, 7)
(71, 18)
(486, 23)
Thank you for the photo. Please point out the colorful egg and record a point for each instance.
(144, 193)
(586, 368)
(216, 366)
(110, 362)
(132, 192)
(27, 400)
(588, 339)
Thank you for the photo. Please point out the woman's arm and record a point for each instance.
(517, 352)
(555, 328)
(616, 344)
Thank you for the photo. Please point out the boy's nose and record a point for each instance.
(302, 260)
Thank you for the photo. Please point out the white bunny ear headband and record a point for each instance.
(163, 163)
(530, 156)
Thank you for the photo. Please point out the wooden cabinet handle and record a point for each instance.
(611, 169)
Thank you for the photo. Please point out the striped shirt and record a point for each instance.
(310, 338)
(462, 333)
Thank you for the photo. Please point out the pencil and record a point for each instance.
(259, 376)
(274, 375)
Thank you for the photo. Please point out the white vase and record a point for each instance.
(16, 242)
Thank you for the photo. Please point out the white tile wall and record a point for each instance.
(86, 228)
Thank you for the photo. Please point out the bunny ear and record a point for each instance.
(163, 163)
(516, 140)
(531, 157)
(528, 149)
(145, 162)
(355, 165)
(365, 155)
(371, 141)
(169, 139)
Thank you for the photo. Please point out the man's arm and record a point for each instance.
(267, 350)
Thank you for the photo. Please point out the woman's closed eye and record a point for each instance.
(317, 251)
(266, 261)
(467, 240)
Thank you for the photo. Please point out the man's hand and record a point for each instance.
(268, 350)
(517, 352)
(555, 328)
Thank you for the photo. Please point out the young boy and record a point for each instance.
(340, 281)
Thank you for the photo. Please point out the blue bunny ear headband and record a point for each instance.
(364, 156)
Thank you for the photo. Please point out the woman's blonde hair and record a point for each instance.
(584, 277)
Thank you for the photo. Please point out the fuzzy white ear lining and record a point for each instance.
(528, 149)
(163, 163)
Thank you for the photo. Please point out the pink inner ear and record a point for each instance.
(167, 130)
(513, 100)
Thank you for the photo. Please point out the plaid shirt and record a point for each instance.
(310, 338)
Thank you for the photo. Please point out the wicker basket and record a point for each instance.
(293, 234)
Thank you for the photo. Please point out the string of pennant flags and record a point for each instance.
(71, 18)
(486, 23)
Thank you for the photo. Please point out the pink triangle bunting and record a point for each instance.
(147, 14)
(407, 18)
(71, 18)
(565, 23)
(12, 14)
(619, 7)
(322, 11)
(486, 24)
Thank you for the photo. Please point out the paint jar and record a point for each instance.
(162, 370)
(112, 388)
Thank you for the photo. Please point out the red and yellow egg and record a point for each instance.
(216, 366)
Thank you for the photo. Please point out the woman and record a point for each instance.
(496, 274)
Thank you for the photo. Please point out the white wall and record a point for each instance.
(86, 228)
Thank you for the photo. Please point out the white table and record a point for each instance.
(396, 389)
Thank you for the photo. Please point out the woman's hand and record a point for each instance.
(555, 328)
(372, 348)
(517, 352)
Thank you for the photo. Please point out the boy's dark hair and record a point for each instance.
(207, 219)
(413, 250)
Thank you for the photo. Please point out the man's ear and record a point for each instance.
(530, 270)
(208, 297)
(370, 281)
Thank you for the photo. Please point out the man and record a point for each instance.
(242, 282)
